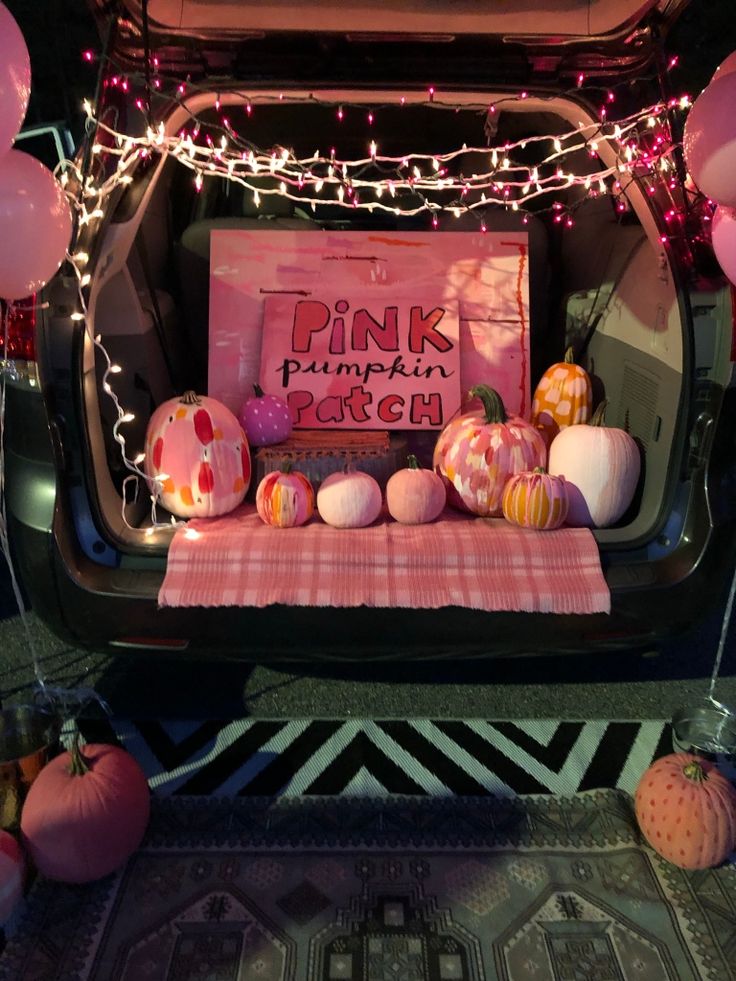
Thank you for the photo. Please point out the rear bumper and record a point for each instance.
(104, 607)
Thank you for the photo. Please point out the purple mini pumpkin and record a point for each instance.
(265, 418)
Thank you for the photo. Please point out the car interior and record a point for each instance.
(601, 283)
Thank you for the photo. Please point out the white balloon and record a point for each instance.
(724, 240)
(709, 140)
(727, 66)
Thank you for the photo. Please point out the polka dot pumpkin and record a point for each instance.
(265, 418)
(197, 449)
(686, 810)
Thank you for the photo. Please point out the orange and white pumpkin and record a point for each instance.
(563, 397)
(285, 498)
(601, 465)
(686, 810)
(535, 499)
(477, 452)
(197, 457)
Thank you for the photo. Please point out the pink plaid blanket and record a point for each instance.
(482, 564)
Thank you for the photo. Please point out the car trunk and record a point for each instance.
(604, 285)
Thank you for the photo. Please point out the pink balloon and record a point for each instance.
(709, 140)
(724, 240)
(727, 66)
(35, 225)
(15, 78)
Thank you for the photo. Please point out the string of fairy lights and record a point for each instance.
(465, 180)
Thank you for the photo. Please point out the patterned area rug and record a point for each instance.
(359, 757)
(408, 889)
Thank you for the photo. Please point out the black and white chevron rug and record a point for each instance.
(374, 758)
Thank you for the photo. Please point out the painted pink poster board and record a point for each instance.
(484, 274)
(378, 360)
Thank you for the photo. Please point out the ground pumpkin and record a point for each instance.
(686, 810)
(86, 813)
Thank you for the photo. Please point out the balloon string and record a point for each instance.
(65, 700)
(4, 543)
(724, 634)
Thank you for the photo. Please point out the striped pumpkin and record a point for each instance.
(285, 498)
(535, 499)
(563, 397)
(477, 452)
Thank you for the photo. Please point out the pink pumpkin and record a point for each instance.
(601, 466)
(265, 418)
(478, 451)
(12, 869)
(415, 495)
(285, 498)
(198, 452)
(86, 813)
(686, 810)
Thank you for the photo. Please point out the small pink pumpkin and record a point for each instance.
(285, 498)
(265, 418)
(415, 495)
(12, 869)
(86, 813)
(198, 451)
(351, 499)
(477, 452)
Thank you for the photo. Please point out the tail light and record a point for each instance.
(18, 325)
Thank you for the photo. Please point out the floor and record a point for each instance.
(141, 686)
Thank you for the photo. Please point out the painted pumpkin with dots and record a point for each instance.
(197, 457)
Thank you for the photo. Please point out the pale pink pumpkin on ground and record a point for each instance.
(197, 449)
(86, 813)
(686, 810)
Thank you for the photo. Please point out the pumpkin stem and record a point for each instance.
(286, 465)
(694, 771)
(492, 402)
(598, 417)
(569, 356)
(190, 398)
(412, 462)
(539, 470)
(258, 391)
(79, 765)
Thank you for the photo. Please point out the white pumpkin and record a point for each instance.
(601, 466)
(349, 500)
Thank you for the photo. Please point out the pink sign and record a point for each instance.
(363, 361)
(483, 276)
